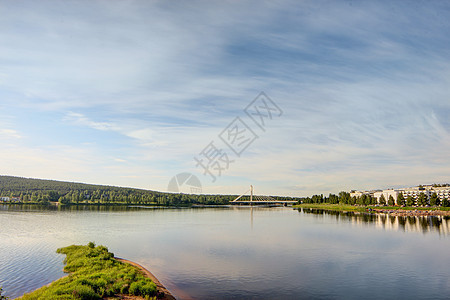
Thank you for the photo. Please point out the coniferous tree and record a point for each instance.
(422, 199)
(433, 199)
(401, 199)
(391, 201)
(410, 201)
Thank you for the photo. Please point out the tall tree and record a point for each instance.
(410, 201)
(401, 199)
(382, 200)
(422, 199)
(391, 201)
(344, 197)
(433, 199)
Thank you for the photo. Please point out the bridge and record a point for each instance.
(254, 199)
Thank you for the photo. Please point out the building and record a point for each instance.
(441, 191)
(358, 194)
(428, 190)
(414, 192)
(386, 194)
(4, 199)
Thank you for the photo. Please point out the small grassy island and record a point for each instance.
(96, 274)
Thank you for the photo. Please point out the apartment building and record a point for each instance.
(414, 192)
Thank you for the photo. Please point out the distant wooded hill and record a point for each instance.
(30, 190)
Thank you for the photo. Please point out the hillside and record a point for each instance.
(29, 190)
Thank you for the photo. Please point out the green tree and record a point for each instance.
(445, 202)
(391, 201)
(401, 199)
(361, 200)
(410, 201)
(434, 199)
(63, 200)
(422, 199)
(333, 199)
(74, 197)
(438, 201)
(53, 196)
(382, 200)
(344, 197)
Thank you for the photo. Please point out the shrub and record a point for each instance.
(124, 289)
(99, 283)
(149, 289)
(135, 289)
(85, 292)
(143, 288)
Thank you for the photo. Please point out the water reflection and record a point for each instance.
(215, 253)
(74, 208)
(424, 224)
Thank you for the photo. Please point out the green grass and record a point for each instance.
(327, 206)
(94, 274)
(347, 207)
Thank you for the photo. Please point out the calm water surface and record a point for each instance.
(235, 253)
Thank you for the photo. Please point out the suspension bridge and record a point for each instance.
(249, 198)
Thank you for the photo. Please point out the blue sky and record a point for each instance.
(128, 92)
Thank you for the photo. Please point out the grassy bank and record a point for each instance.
(95, 274)
(327, 206)
(346, 207)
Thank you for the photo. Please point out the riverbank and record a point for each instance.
(163, 292)
(392, 210)
(94, 273)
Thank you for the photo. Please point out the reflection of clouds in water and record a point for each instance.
(214, 253)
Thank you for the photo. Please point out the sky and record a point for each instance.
(356, 94)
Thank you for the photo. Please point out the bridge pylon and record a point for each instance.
(259, 199)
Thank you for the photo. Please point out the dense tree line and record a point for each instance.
(45, 191)
(344, 198)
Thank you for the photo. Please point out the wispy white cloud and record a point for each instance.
(9, 133)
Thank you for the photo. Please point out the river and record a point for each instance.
(238, 252)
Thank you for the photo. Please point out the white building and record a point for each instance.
(441, 192)
(414, 192)
(4, 199)
(386, 194)
(428, 190)
(358, 194)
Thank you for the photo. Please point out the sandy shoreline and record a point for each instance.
(161, 288)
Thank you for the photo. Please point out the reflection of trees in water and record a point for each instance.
(92, 207)
(401, 223)
(383, 220)
(425, 224)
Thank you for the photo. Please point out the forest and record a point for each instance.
(40, 191)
